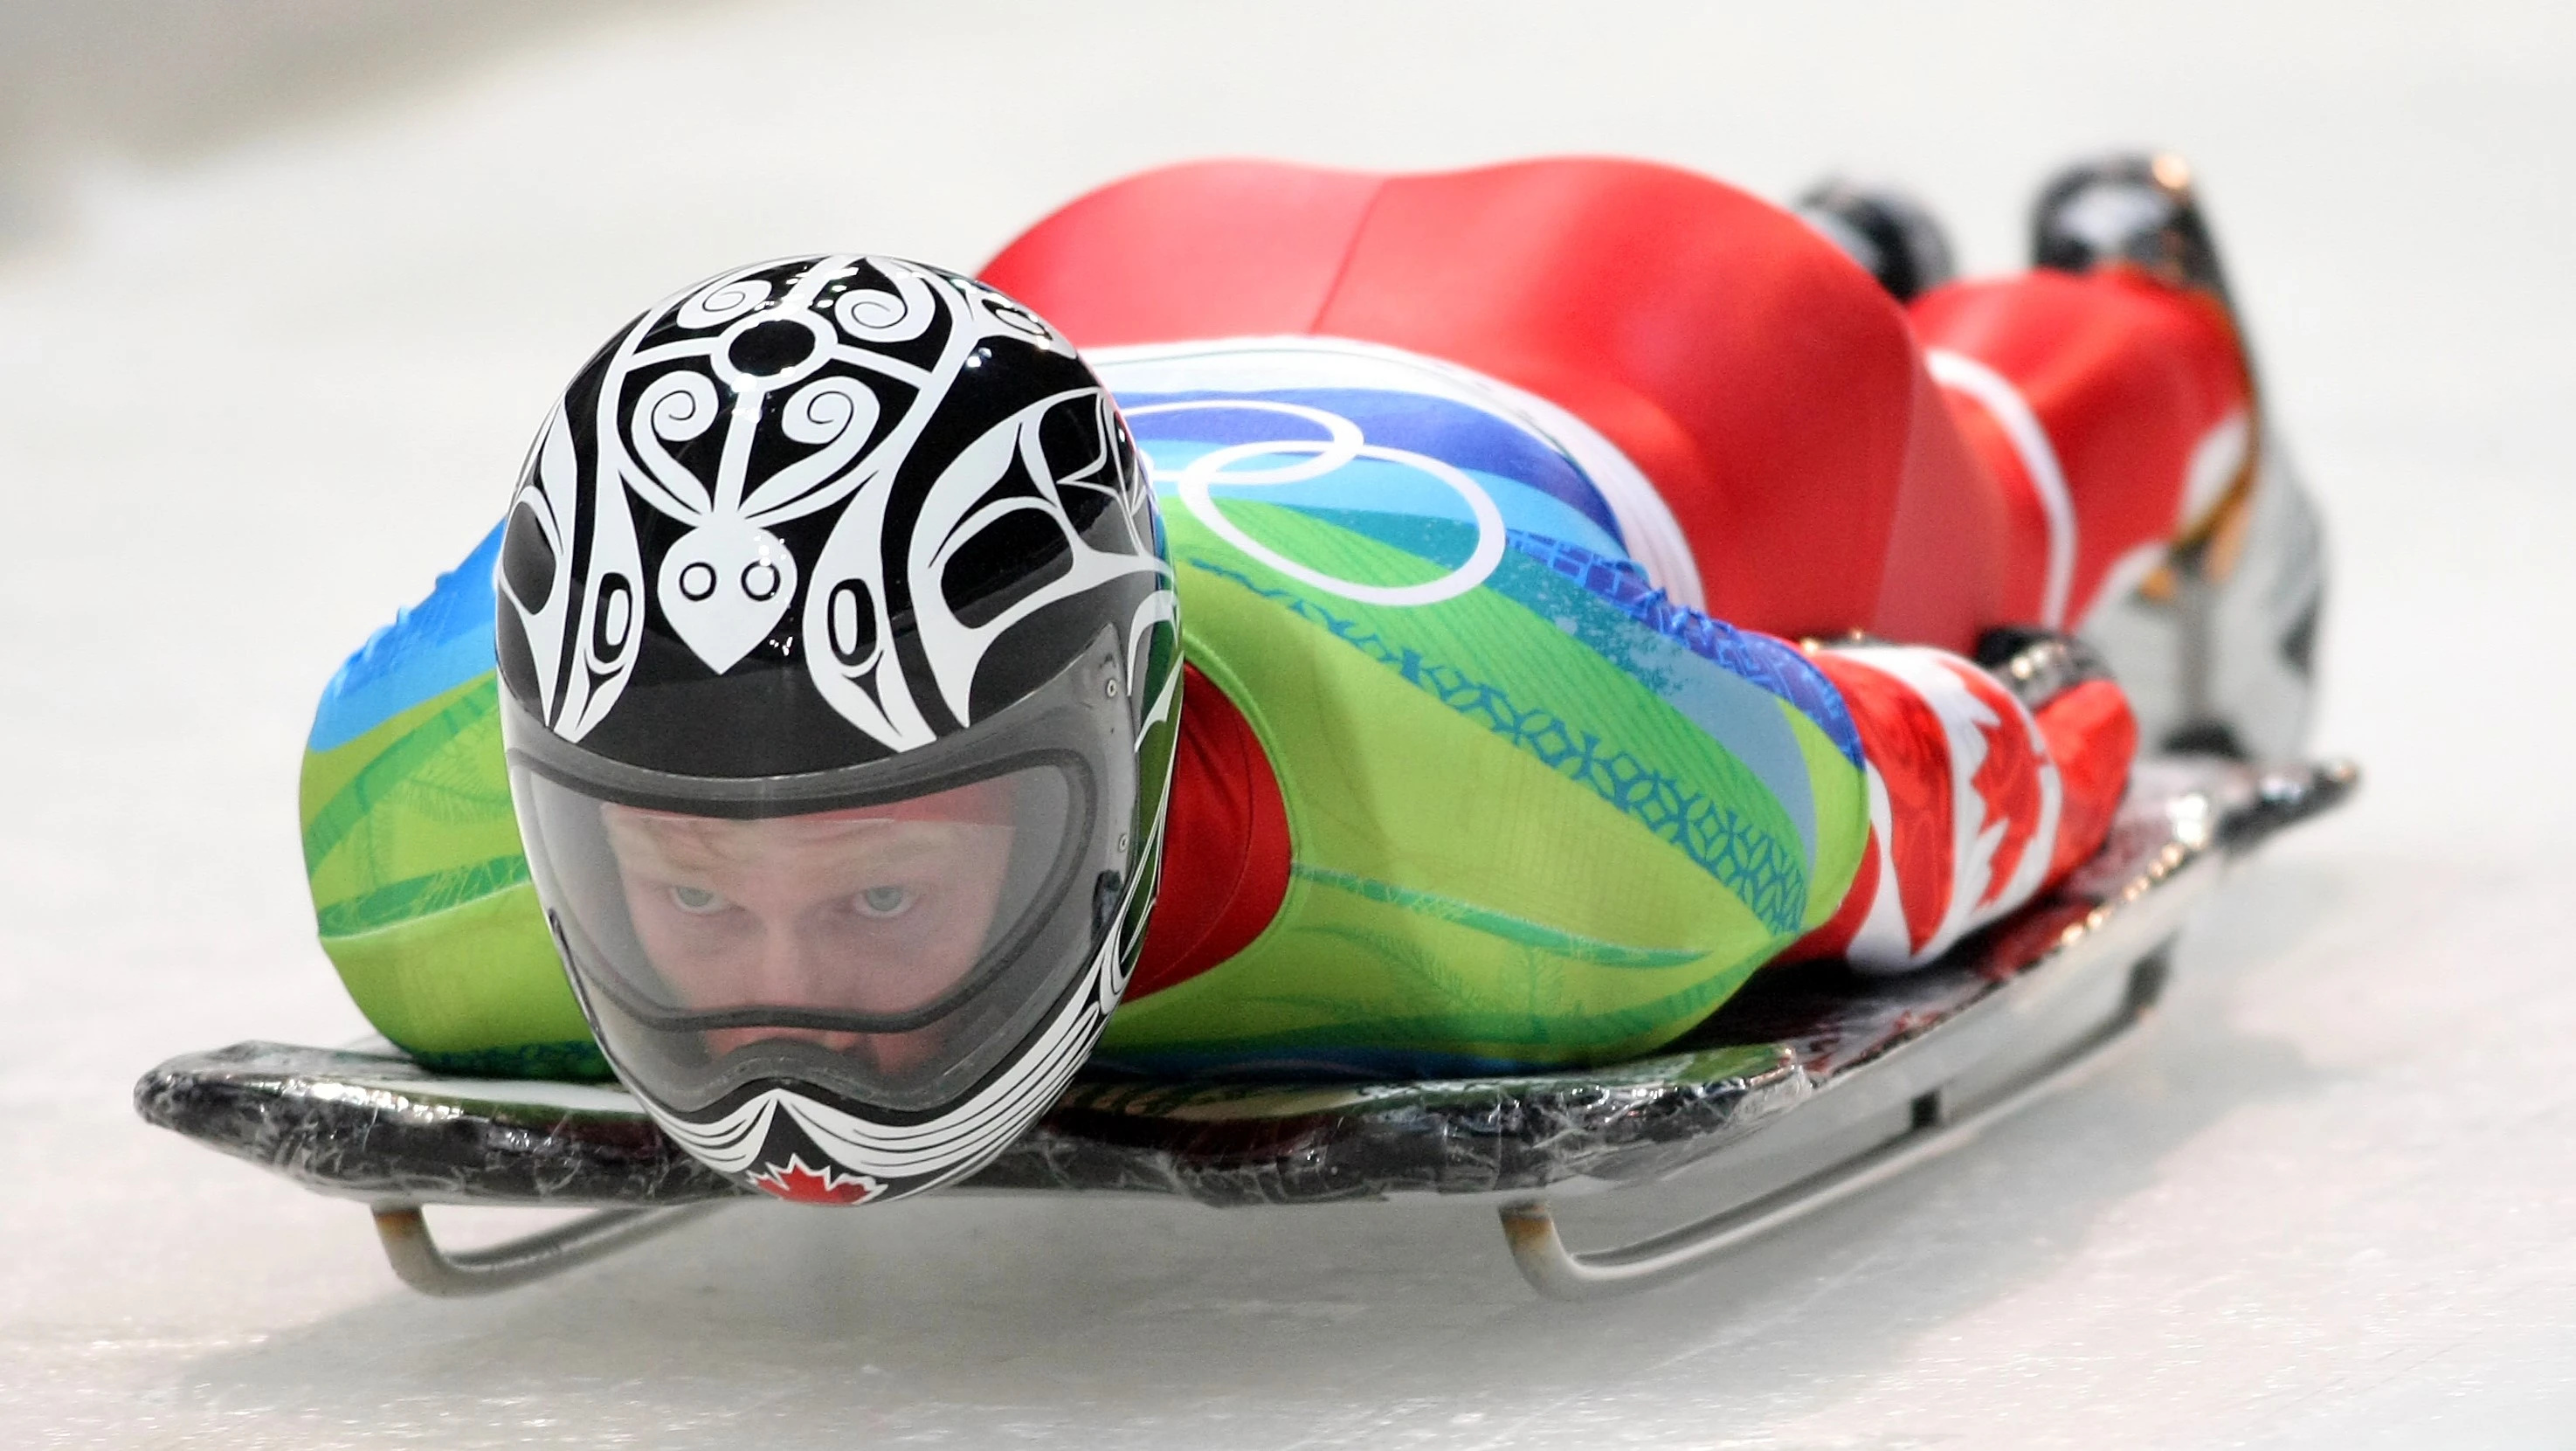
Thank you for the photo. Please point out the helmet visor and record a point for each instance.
(890, 948)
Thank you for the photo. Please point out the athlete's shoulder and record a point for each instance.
(420, 888)
(429, 650)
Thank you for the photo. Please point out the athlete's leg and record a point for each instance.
(2173, 472)
(1986, 786)
(2112, 406)
(2119, 402)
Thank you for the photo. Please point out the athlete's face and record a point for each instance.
(864, 911)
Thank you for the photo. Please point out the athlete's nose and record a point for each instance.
(786, 968)
(793, 967)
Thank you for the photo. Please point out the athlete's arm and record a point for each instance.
(1987, 784)
(420, 888)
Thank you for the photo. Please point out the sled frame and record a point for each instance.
(1931, 1131)
(1838, 1089)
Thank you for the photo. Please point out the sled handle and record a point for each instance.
(1562, 1274)
(417, 1259)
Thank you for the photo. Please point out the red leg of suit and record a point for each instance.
(2124, 399)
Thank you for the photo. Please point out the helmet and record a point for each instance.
(839, 665)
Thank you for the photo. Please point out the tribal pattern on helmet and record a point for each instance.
(813, 469)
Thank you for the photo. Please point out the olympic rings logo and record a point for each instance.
(1340, 445)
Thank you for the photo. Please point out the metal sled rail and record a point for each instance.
(420, 1263)
(1563, 1274)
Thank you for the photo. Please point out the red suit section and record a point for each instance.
(1225, 844)
(2131, 393)
(1782, 405)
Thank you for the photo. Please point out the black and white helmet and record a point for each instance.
(840, 675)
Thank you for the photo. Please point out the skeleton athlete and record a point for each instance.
(1283, 621)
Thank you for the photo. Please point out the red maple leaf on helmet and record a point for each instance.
(796, 1181)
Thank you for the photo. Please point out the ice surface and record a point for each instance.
(255, 391)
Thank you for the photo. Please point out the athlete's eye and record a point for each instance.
(698, 901)
(883, 902)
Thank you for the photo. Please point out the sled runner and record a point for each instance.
(1812, 1085)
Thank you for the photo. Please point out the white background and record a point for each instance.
(284, 290)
